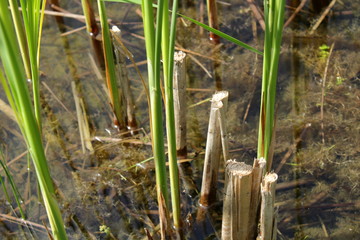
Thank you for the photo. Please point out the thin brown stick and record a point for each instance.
(322, 17)
(72, 31)
(293, 15)
(20, 221)
(257, 13)
(292, 148)
(57, 99)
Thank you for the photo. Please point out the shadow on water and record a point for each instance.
(113, 188)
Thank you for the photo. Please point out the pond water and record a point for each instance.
(316, 155)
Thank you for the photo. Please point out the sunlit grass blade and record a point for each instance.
(274, 20)
(32, 15)
(110, 67)
(153, 46)
(168, 46)
(17, 85)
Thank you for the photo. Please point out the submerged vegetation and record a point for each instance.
(110, 192)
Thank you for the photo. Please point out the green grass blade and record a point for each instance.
(274, 19)
(110, 66)
(15, 74)
(14, 189)
(156, 122)
(21, 37)
(168, 43)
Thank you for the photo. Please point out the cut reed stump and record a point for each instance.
(268, 226)
(180, 103)
(237, 201)
(257, 176)
(213, 149)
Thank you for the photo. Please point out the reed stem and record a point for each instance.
(110, 68)
(274, 20)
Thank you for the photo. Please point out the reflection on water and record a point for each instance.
(114, 187)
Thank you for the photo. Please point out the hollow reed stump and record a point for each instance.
(259, 166)
(179, 88)
(267, 218)
(213, 149)
(237, 201)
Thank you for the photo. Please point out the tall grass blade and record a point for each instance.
(32, 15)
(274, 20)
(110, 67)
(168, 47)
(153, 47)
(16, 82)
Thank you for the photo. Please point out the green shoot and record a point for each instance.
(274, 20)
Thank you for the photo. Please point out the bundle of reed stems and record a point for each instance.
(21, 32)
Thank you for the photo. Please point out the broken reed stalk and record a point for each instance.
(237, 201)
(213, 19)
(93, 30)
(213, 149)
(179, 79)
(267, 217)
(122, 73)
(257, 176)
(223, 131)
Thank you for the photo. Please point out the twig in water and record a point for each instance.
(257, 13)
(57, 99)
(323, 15)
(297, 10)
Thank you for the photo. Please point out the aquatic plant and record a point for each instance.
(110, 68)
(28, 27)
(274, 21)
(16, 89)
(13, 186)
(153, 51)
